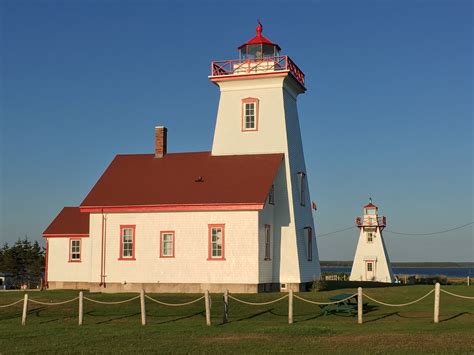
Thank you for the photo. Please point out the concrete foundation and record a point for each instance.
(176, 288)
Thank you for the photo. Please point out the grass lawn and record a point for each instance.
(251, 329)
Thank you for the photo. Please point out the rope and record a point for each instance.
(455, 295)
(11, 304)
(258, 304)
(174, 304)
(401, 304)
(116, 302)
(323, 303)
(52, 303)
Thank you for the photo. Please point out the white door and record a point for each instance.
(370, 270)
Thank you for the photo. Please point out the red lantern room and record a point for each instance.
(259, 47)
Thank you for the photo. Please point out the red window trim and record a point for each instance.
(209, 246)
(269, 258)
(161, 244)
(80, 250)
(122, 227)
(247, 101)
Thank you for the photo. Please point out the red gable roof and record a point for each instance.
(259, 39)
(184, 181)
(370, 205)
(69, 222)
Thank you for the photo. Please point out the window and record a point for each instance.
(370, 237)
(250, 114)
(370, 266)
(216, 242)
(267, 242)
(309, 243)
(271, 195)
(371, 211)
(301, 187)
(127, 243)
(167, 244)
(75, 250)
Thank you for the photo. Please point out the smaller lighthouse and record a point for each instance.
(371, 262)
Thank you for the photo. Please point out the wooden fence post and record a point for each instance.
(142, 306)
(208, 307)
(290, 307)
(25, 309)
(436, 303)
(360, 306)
(81, 307)
(226, 306)
(468, 280)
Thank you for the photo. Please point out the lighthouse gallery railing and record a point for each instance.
(256, 66)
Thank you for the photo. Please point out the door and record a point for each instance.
(370, 270)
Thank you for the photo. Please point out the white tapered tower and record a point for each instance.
(371, 262)
(258, 114)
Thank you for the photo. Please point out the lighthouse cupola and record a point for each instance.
(371, 217)
(259, 47)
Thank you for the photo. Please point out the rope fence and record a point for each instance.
(111, 302)
(324, 303)
(52, 303)
(345, 303)
(258, 303)
(455, 295)
(174, 304)
(398, 304)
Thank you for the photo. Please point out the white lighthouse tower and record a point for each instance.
(371, 262)
(258, 114)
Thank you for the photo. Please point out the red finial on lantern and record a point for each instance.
(259, 28)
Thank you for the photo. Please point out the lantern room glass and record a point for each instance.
(259, 51)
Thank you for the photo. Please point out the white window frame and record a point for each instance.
(250, 114)
(214, 252)
(167, 246)
(75, 251)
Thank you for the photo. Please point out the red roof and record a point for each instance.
(370, 205)
(259, 39)
(69, 222)
(188, 179)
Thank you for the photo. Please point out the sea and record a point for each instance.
(426, 271)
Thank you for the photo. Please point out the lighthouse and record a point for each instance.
(258, 114)
(371, 262)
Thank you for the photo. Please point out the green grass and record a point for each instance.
(251, 329)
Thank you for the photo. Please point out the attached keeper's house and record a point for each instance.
(238, 217)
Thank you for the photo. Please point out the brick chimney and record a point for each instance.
(160, 141)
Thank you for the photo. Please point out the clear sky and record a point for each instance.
(388, 112)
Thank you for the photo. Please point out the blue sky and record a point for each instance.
(388, 112)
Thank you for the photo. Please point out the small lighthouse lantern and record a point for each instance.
(259, 47)
(258, 56)
(371, 261)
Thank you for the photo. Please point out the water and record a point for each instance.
(428, 271)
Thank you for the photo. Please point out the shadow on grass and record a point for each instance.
(202, 313)
(454, 317)
(382, 316)
(118, 318)
(250, 316)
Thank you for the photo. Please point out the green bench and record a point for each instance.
(345, 304)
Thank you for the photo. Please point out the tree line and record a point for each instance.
(23, 262)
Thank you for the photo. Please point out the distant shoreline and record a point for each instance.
(342, 264)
